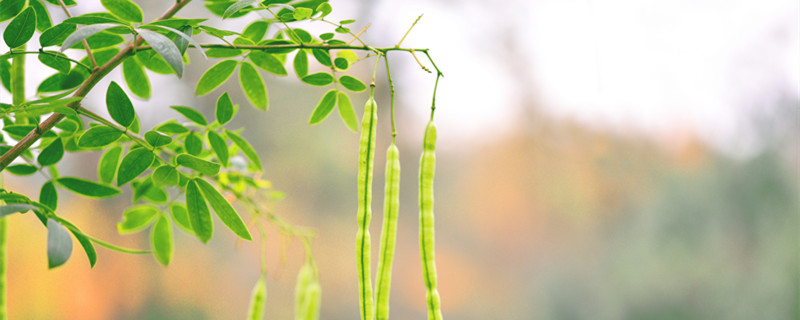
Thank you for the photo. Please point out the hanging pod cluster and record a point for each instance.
(378, 308)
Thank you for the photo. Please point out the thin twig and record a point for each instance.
(85, 44)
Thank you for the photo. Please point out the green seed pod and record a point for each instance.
(426, 232)
(304, 278)
(258, 300)
(391, 206)
(366, 158)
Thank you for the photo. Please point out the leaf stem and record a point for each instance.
(391, 97)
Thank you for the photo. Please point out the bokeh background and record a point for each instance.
(611, 159)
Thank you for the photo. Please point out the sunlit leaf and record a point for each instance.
(318, 79)
(165, 175)
(322, 56)
(21, 169)
(10, 8)
(268, 62)
(136, 78)
(124, 9)
(161, 240)
(199, 215)
(215, 76)
(51, 154)
(48, 195)
(246, 148)
(224, 111)
(347, 112)
(107, 168)
(219, 146)
(324, 107)
(136, 219)
(52, 60)
(301, 64)
(253, 86)
(99, 136)
(133, 164)
(42, 17)
(199, 165)
(156, 139)
(352, 84)
(88, 188)
(223, 209)
(193, 144)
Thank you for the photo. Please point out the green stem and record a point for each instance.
(391, 95)
(17, 98)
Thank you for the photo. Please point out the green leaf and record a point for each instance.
(237, 6)
(156, 139)
(199, 165)
(181, 216)
(87, 245)
(215, 76)
(15, 207)
(224, 110)
(102, 39)
(21, 169)
(268, 62)
(59, 244)
(88, 188)
(302, 13)
(199, 215)
(42, 17)
(83, 33)
(171, 127)
(107, 168)
(153, 62)
(246, 148)
(347, 112)
(48, 195)
(21, 29)
(256, 30)
(224, 210)
(49, 59)
(325, 8)
(95, 18)
(10, 8)
(133, 164)
(124, 9)
(219, 146)
(301, 64)
(165, 175)
(223, 52)
(347, 54)
(191, 114)
(56, 34)
(341, 63)
(324, 107)
(136, 219)
(322, 56)
(318, 79)
(352, 84)
(52, 153)
(119, 105)
(5, 74)
(98, 137)
(193, 144)
(165, 48)
(136, 78)
(161, 240)
(253, 86)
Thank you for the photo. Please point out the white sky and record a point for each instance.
(659, 67)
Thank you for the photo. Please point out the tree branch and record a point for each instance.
(84, 89)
